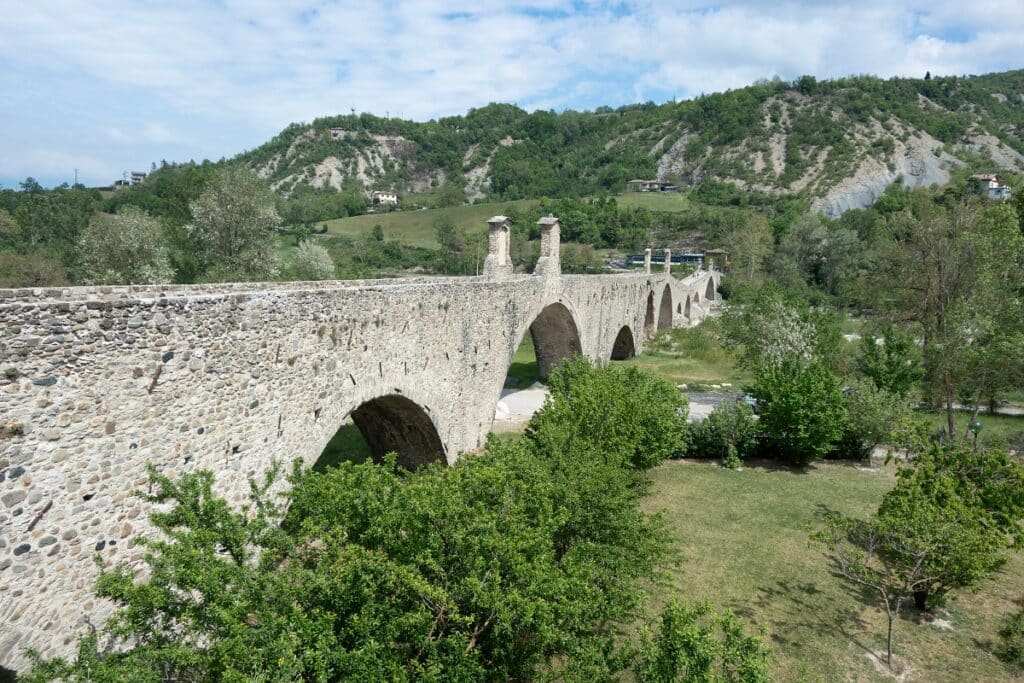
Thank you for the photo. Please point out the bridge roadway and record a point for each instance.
(96, 382)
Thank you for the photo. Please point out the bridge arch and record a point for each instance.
(556, 337)
(394, 423)
(696, 297)
(665, 309)
(649, 317)
(709, 293)
(686, 309)
(624, 347)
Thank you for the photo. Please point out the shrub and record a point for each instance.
(801, 409)
(312, 262)
(1010, 648)
(873, 416)
(729, 434)
(126, 248)
(695, 644)
(632, 417)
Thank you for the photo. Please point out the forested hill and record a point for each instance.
(838, 143)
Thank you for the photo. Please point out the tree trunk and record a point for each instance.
(950, 416)
(921, 600)
(888, 643)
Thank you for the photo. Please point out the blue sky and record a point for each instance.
(107, 87)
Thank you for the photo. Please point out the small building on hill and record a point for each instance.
(138, 177)
(988, 185)
(336, 133)
(379, 197)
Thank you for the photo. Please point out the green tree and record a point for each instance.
(632, 417)
(801, 410)
(233, 226)
(34, 269)
(947, 524)
(954, 273)
(729, 434)
(893, 366)
(312, 262)
(450, 194)
(749, 248)
(695, 644)
(121, 249)
(452, 257)
(873, 416)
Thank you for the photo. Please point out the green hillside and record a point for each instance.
(837, 143)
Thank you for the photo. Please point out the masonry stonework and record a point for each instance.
(97, 382)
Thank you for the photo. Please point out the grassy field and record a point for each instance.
(997, 431)
(654, 201)
(743, 544)
(691, 356)
(417, 227)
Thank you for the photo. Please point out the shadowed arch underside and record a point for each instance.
(709, 293)
(686, 310)
(623, 347)
(393, 423)
(665, 310)
(555, 338)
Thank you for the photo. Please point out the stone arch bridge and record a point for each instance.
(97, 382)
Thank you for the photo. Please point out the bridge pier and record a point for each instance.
(498, 264)
(549, 265)
(647, 260)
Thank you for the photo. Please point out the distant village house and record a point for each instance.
(988, 185)
(378, 197)
(650, 186)
(337, 133)
(138, 177)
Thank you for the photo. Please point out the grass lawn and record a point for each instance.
(743, 544)
(523, 369)
(654, 201)
(691, 355)
(997, 431)
(417, 227)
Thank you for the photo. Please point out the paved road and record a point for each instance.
(518, 406)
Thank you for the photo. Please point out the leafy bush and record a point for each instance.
(312, 262)
(873, 416)
(127, 248)
(632, 417)
(1010, 648)
(695, 644)
(801, 409)
(729, 434)
(895, 365)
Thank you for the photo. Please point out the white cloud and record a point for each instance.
(195, 67)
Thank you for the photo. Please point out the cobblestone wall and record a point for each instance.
(98, 382)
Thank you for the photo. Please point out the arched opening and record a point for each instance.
(383, 425)
(686, 310)
(623, 347)
(696, 297)
(649, 317)
(709, 293)
(555, 338)
(679, 308)
(665, 310)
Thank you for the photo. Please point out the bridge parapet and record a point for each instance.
(230, 376)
